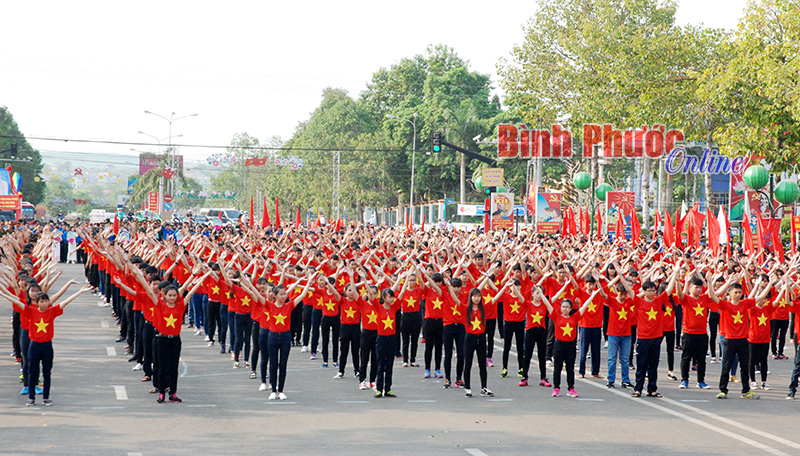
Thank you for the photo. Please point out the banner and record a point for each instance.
(620, 204)
(548, 212)
(467, 209)
(153, 202)
(149, 162)
(492, 177)
(11, 202)
(502, 208)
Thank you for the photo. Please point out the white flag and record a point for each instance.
(723, 227)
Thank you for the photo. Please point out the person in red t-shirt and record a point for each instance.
(695, 335)
(385, 345)
(758, 335)
(565, 323)
(41, 316)
(735, 316)
(591, 326)
(514, 312)
(475, 342)
(410, 297)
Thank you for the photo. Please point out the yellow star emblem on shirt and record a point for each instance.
(330, 305)
(455, 310)
(411, 302)
(267, 315)
(592, 307)
(476, 324)
(738, 317)
(623, 314)
(762, 320)
(246, 301)
(515, 307)
(651, 314)
(350, 312)
(668, 311)
(572, 292)
(280, 319)
(782, 303)
(41, 326)
(170, 321)
(185, 271)
(320, 302)
(487, 299)
(388, 323)
(567, 330)
(699, 310)
(372, 317)
(362, 291)
(215, 290)
(437, 304)
(537, 318)
(341, 281)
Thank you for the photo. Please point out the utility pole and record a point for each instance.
(335, 209)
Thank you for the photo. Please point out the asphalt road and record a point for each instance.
(102, 408)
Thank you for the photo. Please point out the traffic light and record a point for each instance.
(489, 190)
(436, 141)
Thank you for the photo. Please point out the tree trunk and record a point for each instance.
(645, 181)
(463, 179)
(707, 176)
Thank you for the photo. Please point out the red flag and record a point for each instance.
(794, 223)
(588, 227)
(747, 234)
(669, 230)
(251, 218)
(599, 223)
(636, 229)
(656, 224)
(565, 224)
(248, 162)
(116, 224)
(318, 222)
(277, 213)
(620, 231)
(769, 236)
(580, 219)
(408, 224)
(678, 229)
(713, 232)
(297, 222)
(265, 216)
(573, 230)
(423, 221)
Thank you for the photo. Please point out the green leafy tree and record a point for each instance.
(32, 188)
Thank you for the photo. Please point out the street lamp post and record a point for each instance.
(172, 160)
(413, 160)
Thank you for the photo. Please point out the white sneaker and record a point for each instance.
(304, 349)
(137, 367)
(363, 386)
(263, 387)
(765, 386)
(753, 385)
(108, 304)
(273, 396)
(211, 343)
(206, 339)
(373, 386)
(549, 363)
(247, 364)
(713, 360)
(198, 332)
(236, 364)
(282, 396)
(605, 345)
(338, 375)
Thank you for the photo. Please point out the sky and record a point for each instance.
(90, 69)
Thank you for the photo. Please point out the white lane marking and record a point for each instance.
(499, 400)
(590, 399)
(694, 400)
(105, 408)
(736, 424)
(280, 403)
(421, 401)
(104, 324)
(111, 351)
(119, 390)
(475, 452)
(725, 432)
(352, 402)
(185, 368)
(134, 454)
(202, 405)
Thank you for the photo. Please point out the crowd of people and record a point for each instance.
(366, 294)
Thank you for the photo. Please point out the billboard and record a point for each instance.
(502, 207)
(620, 204)
(548, 212)
(148, 162)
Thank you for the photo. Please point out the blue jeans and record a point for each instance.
(278, 345)
(24, 343)
(102, 282)
(263, 344)
(795, 371)
(198, 303)
(590, 337)
(618, 346)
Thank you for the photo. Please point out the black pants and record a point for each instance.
(307, 308)
(551, 339)
(669, 336)
(385, 347)
(297, 324)
(606, 315)
(168, 353)
(16, 328)
(330, 325)
(713, 325)
(398, 317)
(263, 346)
(694, 348)
(39, 352)
(432, 332)
(243, 327)
(148, 334)
(138, 326)
(256, 336)
(474, 343)
(515, 330)
(731, 348)
(678, 323)
(368, 340)
(412, 323)
(350, 336)
(491, 327)
(758, 359)
(778, 339)
(647, 352)
(633, 344)
(563, 358)
(535, 337)
(214, 320)
(279, 344)
(453, 333)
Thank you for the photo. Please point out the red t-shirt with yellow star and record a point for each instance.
(474, 323)
(650, 316)
(513, 308)
(737, 321)
(41, 323)
(619, 317)
(489, 308)
(566, 328)
(410, 300)
(351, 311)
(168, 319)
(593, 317)
(387, 319)
(260, 313)
(760, 330)
(369, 320)
(280, 318)
(217, 289)
(455, 311)
(434, 303)
(695, 314)
(536, 315)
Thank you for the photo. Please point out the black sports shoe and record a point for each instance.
(627, 385)
(160, 399)
(174, 398)
(610, 384)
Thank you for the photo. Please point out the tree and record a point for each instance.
(32, 187)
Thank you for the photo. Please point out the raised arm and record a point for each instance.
(72, 297)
